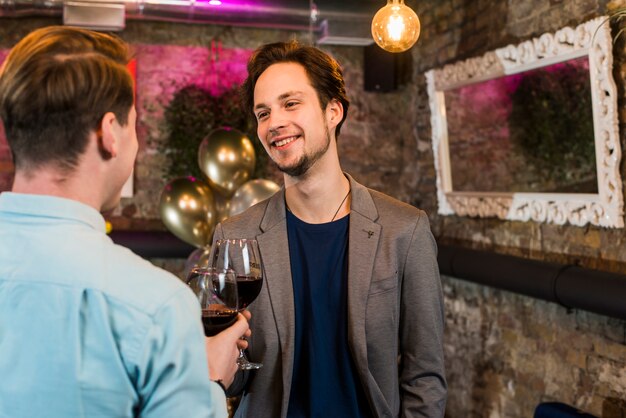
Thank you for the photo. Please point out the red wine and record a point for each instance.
(248, 288)
(216, 321)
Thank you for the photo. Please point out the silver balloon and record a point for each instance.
(226, 156)
(250, 194)
(198, 258)
(222, 207)
(188, 210)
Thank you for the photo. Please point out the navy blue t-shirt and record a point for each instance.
(325, 382)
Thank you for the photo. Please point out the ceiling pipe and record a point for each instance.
(351, 27)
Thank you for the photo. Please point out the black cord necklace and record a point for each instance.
(341, 204)
(338, 209)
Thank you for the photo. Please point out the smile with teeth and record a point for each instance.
(285, 141)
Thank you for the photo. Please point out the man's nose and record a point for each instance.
(276, 121)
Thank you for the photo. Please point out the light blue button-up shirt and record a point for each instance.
(89, 329)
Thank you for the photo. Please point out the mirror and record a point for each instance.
(530, 131)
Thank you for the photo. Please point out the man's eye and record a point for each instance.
(291, 104)
(262, 115)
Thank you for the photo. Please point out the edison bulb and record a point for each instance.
(395, 27)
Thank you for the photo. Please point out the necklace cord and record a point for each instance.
(341, 204)
(338, 209)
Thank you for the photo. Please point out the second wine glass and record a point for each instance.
(244, 258)
(217, 293)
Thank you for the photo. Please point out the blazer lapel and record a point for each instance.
(363, 243)
(274, 247)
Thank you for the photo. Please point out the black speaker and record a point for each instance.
(385, 71)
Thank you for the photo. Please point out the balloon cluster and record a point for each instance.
(190, 207)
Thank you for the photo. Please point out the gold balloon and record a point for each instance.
(187, 209)
(250, 194)
(226, 157)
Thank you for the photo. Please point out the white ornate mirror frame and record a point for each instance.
(592, 39)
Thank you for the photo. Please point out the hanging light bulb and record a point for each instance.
(395, 27)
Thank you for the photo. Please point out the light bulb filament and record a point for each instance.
(395, 28)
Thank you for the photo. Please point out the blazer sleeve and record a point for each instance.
(423, 387)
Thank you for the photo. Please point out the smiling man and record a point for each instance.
(350, 321)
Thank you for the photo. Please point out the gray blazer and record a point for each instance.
(395, 307)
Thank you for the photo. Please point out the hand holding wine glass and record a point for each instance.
(244, 258)
(223, 326)
(222, 350)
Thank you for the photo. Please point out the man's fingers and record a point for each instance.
(242, 344)
(240, 327)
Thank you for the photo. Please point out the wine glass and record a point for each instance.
(216, 291)
(242, 256)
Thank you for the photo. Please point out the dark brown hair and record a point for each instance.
(323, 71)
(55, 86)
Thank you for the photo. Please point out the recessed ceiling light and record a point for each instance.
(215, 2)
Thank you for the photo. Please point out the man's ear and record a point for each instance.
(107, 136)
(334, 112)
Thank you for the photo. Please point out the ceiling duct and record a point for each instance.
(337, 32)
(346, 22)
(95, 15)
(243, 15)
(343, 22)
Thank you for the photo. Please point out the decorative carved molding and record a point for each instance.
(470, 70)
(481, 206)
(592, 39)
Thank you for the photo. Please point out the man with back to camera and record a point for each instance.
(87, 328)
(349, 322)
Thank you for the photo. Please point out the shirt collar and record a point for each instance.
(51, 207)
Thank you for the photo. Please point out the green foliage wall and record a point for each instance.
(551, 124)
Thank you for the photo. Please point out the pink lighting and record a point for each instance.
(215, 2)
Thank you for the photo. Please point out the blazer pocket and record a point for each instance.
(383, 285)
(381, 323)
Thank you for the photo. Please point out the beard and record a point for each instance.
(306, 161)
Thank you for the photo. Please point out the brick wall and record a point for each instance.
(505, 352)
